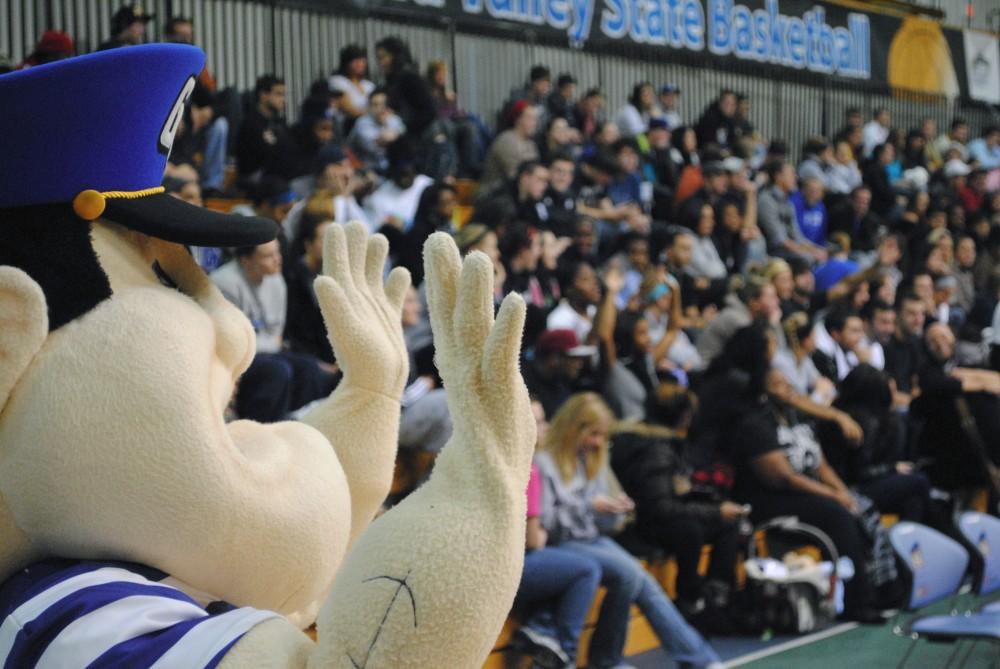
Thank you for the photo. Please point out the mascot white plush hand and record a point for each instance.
(137, 528)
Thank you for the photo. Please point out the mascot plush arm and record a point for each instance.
(361, 417)
(430, 582)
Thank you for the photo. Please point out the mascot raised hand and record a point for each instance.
(137, 527)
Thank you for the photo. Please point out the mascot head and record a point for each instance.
(118, 356)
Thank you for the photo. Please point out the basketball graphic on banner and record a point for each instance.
(920, 60)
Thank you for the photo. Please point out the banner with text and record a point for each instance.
(812, 37)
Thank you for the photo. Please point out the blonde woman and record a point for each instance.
(576, 506)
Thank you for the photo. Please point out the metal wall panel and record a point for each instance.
(485, 71)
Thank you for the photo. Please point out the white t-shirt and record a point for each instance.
(565, 317)
(391, 200)
(357, 95)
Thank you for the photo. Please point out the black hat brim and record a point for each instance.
(174, 220)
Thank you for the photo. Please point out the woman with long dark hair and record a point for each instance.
(351, 78)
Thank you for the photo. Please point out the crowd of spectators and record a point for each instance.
(716, 333)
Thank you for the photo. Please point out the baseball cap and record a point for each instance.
(669, 88)
(564, 342)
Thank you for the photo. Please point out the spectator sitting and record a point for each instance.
(877, 468)
(180, 30)
(304, 328)
(374, 131)
(756, 300)
(587, 114)
(560, 197)
(817, 162)
(699, 293)
(434, 214)
(954, 140)
(521, 252)
(777, 218)
(53, 45)
(705, 261)
(394, 203)
(277, 381)
(795, 362)
(810, 212)
(272, 199)
(200, 143)
(576, 505)
(876, 131)
(876, 177)
(634, 262)
(535, 93)
(209, 258)
(714, 192)
(973, 194)
(511, 148)
(779, 274)
(128, 27)
(634, 117)
(409, 95)
(560, 102)
(351, 78)
(856, 219)
(843, 175)
(669, 94)
(660, 302)
(666, 174)
(553, 373)
(778, 463)
(648, 459)
(581, 290)
(560, 138)
(985, 150)
(839, 342)
(525, 196)
(961, 415)
(552, 573)
(718, 122)
(315, 129)
(263, 145)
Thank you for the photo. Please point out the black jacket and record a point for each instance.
(648, 464)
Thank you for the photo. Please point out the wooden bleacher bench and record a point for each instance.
(224, 204)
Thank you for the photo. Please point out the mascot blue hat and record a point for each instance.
(96, 131)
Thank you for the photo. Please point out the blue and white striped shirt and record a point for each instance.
(69, 614)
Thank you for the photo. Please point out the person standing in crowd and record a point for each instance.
(128, 27)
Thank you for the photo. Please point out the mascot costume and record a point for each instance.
(137, 528)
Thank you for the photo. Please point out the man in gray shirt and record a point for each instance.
(776, 217)
(277, 381)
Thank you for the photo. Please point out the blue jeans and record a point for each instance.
(570, 579)
(213, 168)
(627, 582)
